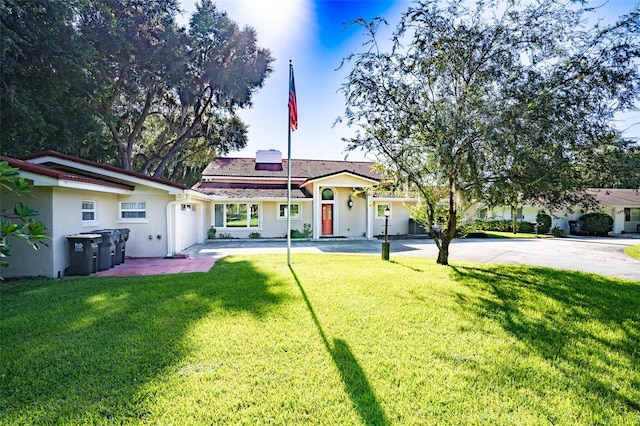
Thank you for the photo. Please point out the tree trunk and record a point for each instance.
(514, 218)
(443, 253)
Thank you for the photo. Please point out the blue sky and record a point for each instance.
(316, 35)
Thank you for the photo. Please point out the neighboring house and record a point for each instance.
(74, 195)
(623, 205)
(331, 198)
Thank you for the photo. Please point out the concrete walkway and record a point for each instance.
(600, 255)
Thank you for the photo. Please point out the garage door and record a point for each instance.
(187, 226)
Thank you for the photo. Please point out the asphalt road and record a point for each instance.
(600, 255)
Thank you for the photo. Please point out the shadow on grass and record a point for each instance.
(353, 376)
(586, 325)
(82, 350)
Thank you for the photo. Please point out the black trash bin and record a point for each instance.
(118, 242)
(107, 248)
(124, 236)
(83, 257)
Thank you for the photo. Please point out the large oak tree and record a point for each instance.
(497, 100)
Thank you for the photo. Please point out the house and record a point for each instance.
(623, 205)
(74, 196)
(330, 198)
(239, 197)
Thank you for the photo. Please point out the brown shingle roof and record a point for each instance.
(247, 190)
(616, 197)
(305, 169)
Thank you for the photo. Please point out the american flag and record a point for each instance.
(293, 103)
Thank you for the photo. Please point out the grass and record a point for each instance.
(633, 251)
(333, 340)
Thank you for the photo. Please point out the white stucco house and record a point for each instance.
(75, 196)
(334, 199)
(239, 197)
(623, 205)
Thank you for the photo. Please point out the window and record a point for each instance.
(237, 215)
(295, 211)
(632, 214)
(89, 216)
(134, 212)
(481, 214)
(327, 194)
(188, 207)
(380, 208)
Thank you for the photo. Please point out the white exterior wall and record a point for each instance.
(270, 225)
(147, 237)
(398, 219)
(24, 260)
(349, 222)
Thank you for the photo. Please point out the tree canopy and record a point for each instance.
(500, 101)
(119, 81)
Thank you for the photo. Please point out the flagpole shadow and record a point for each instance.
(353, 376)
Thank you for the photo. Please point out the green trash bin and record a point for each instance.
(83, 254)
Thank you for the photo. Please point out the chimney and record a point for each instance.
(270, 159)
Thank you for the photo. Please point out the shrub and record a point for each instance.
(556, 231)
(525, 227)
(545, 220)
(211, 233)
(596, 223)
(254, 235)
(306, 232)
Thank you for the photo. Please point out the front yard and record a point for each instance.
(336, 339)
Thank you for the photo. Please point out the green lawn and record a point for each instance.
(633, 251)
(335, 340)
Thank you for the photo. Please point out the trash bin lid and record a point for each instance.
(85, 236)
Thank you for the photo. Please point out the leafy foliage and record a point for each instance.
(544, 222)
(596, 223)
(503, 102)
(118, 81)
(19, 224)
(44, 91)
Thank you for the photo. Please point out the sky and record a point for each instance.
(316, 35)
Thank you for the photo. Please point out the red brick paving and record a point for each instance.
(158, 266)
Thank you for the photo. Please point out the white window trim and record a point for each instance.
(94, 221)
(296, 217)
(230, 228)
(132, 219)
(375, 210)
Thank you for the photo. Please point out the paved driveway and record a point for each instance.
(598, 255)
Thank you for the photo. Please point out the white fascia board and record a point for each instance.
(403, 199)
(258, 200)
(245, 179)
(364, 181)
(108, 173)
(84, 186)
(49, 181)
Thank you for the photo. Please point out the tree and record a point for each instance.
(170, 96)
(497, 101)
(19, 223)
(44, 93)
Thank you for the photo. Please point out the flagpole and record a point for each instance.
(289, 171)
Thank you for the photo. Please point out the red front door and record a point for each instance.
(327, 219)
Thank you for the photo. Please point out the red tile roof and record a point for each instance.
(305, 169)
(44, 170)
(101, 166)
